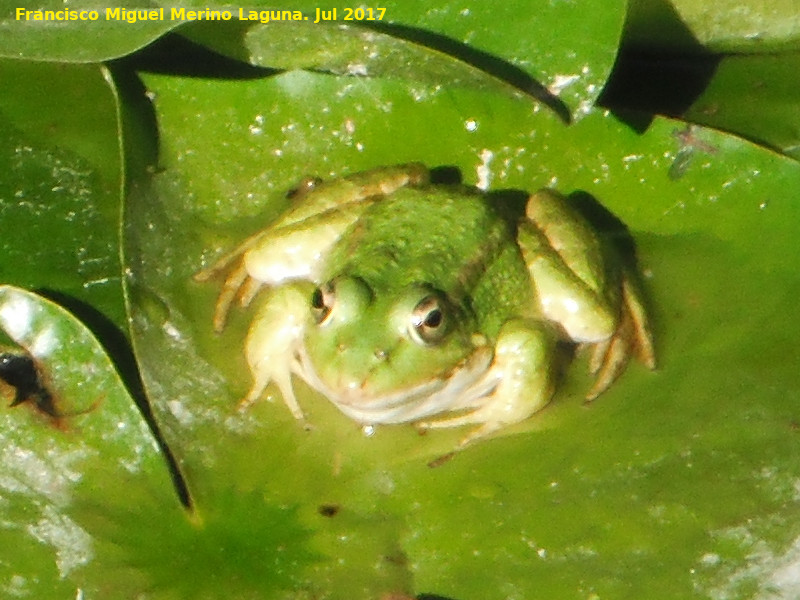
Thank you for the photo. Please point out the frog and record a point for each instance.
(405, 300)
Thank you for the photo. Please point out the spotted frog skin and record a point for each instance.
(404, 301)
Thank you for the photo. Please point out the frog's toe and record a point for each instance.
(476, 417)
(447, 422)
(631, 338)
(283, 381)
(256, 391)
(642, 334)
(609, 358)
(249, 290)
(237, 277)
(484, 430)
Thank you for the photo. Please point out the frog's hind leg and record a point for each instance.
(568, 268)
(585, 287)
(633, 336)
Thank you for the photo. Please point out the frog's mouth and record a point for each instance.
(459, 389)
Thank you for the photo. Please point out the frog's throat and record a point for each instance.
(459, 389)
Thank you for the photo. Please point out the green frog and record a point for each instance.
(405, 301)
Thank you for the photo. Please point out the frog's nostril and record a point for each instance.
(380, 354)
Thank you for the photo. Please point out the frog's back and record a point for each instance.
(450, 237)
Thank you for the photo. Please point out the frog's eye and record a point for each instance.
(428, 324)
(322, 300)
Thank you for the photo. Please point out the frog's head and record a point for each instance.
(380, 355)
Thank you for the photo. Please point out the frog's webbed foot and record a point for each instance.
(633, 337)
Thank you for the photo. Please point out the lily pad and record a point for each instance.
(61, 190)
(83, 32)
(675, 484)
(719, 65)
(727, 26)
(753, 97)
(612, 499)
(75, 469)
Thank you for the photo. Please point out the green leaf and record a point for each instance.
(753, 96)
(60, 193)
(617, 499)
(364, 52)
(78, 33)
(727, 26)
(679, 483)
(269, 133)
(500, 38)
(72, 477)
(727, 65)
(88, 502)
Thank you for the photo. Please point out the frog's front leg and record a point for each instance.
(523, 377)
(274, 340)
(582, 286)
